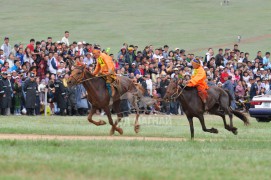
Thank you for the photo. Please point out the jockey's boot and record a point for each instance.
(204, 100)
(108, 86)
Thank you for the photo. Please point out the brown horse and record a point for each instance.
(99, 97)
(218, 101)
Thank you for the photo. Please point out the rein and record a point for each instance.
(171, 97)
(83, 75)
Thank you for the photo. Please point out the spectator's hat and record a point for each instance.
(130, 48)
(178, 65)
(219, 83)
(133, 64)
(16, 45)
(177, 49)
(262, 69)
(123, 47)
(221, 67)
(79, 43)
(175, 69)
(61, 62)
(32, 75)
(84, 42)
(4, 73)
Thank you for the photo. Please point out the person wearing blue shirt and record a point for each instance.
(20, 55)
(266, 62)
(16, 66)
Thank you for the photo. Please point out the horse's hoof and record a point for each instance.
(112, 132)
(101, 122)
(137, 127)
(235, 132)
(214, 130)
(119, 130)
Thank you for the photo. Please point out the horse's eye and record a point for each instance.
(78, 73)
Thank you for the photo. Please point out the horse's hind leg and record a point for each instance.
(202, 122)
(222, 115)
(99, 123)
(114, 127)
(226, 108)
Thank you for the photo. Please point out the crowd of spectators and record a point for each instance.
(28, 71)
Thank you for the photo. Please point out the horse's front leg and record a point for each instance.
(97, 123)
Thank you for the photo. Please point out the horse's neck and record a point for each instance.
(91, 84)
(185, 96)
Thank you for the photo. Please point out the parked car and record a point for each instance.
(261, 107)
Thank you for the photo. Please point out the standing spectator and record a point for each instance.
(162, 90)
(30, 88)
(88, 59)
(266, 61)
(81, 101)
(209, 54)
(259, 56)
(61, 95)
(17, 96)
(65, 38)
(228, 85)
(28, 56)
(53, 66)
(165, 52)
(224, 75)
(6, 93)
(6, 47)
(31, 45)
(130, 56)
(253, 89)
(240, 90)
(219, 58)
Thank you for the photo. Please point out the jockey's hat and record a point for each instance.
(196, 62)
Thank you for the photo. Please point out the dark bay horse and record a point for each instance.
(218, 102)
(99, 97)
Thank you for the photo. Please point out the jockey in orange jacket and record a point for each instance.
(198, 80)
(104, 66)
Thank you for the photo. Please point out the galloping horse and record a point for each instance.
(99, 97)
(218, 101)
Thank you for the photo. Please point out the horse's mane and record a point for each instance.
(189, 88)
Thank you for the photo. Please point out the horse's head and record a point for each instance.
(77, 75)
(172, 89)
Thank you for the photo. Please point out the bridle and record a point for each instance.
(81, 79)
(178, 93)
(77, 80)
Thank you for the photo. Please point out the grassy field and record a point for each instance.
(221, 156)
(185, 24)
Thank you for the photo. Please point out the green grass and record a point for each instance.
(184, 24)
(221, 156)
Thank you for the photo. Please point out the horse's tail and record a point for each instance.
(240, 116)
(237, 113)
